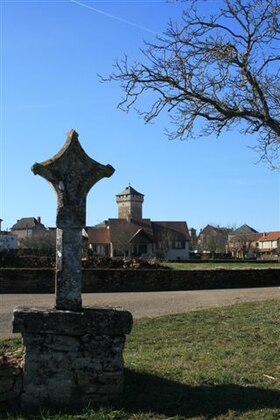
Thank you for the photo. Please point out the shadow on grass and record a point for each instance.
(152, 394)
(149, 393)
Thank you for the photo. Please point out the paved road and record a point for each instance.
(141, 304)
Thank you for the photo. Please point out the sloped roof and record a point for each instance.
(98, 235)
(178, 230)
(99, 225)
(209, 229)
(130, 191)
(244, 229)
(115, 230)
(141, 233)
(121, 229)
(27, 223)
(270, 236)
(248, 237)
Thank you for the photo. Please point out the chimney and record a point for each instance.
(39, 219)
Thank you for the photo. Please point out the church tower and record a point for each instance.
(130, 204)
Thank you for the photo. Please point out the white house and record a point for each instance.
(8, 241)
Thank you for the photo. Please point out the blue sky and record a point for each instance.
(51, 55)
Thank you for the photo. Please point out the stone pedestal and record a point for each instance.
(72, 358)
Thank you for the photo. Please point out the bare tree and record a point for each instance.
(167, 240)
(43, 242)
(214, 239)
(222, 71)
(122, 245)
(243, 245)
(213, 245)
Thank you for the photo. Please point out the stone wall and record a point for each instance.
(26, 280)
(114, 280)
(71, 358)
(11, 376)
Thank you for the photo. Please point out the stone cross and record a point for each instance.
(72, 173)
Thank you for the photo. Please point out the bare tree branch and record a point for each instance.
(218, 71)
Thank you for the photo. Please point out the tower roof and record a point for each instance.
(130, 191)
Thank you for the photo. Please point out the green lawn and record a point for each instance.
(230, 265)
(212, 364)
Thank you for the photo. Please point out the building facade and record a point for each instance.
(130, 235)
(8, 240)
(213, 240)
(27, 227)
(243, 242)
(269, 245)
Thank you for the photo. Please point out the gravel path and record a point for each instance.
(140, 304)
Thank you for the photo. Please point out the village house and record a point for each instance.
(269, 245)
(243, 242)
(31, 233)
(27, 226)
(213, 240)
(7, 239)
(131, 235)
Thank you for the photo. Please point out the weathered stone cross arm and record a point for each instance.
(72, 173)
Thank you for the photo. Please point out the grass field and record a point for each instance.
(230, 265)
(211, 364)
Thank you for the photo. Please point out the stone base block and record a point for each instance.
(10, 380)
(72, 358)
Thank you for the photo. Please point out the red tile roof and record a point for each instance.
(120, 229)
(270, 236)
(99, 235)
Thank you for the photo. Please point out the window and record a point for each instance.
(100, 249)
(142, 249)
(179, 245)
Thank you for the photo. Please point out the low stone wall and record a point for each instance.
(26, 280)
(114, 280)
(169, 280)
